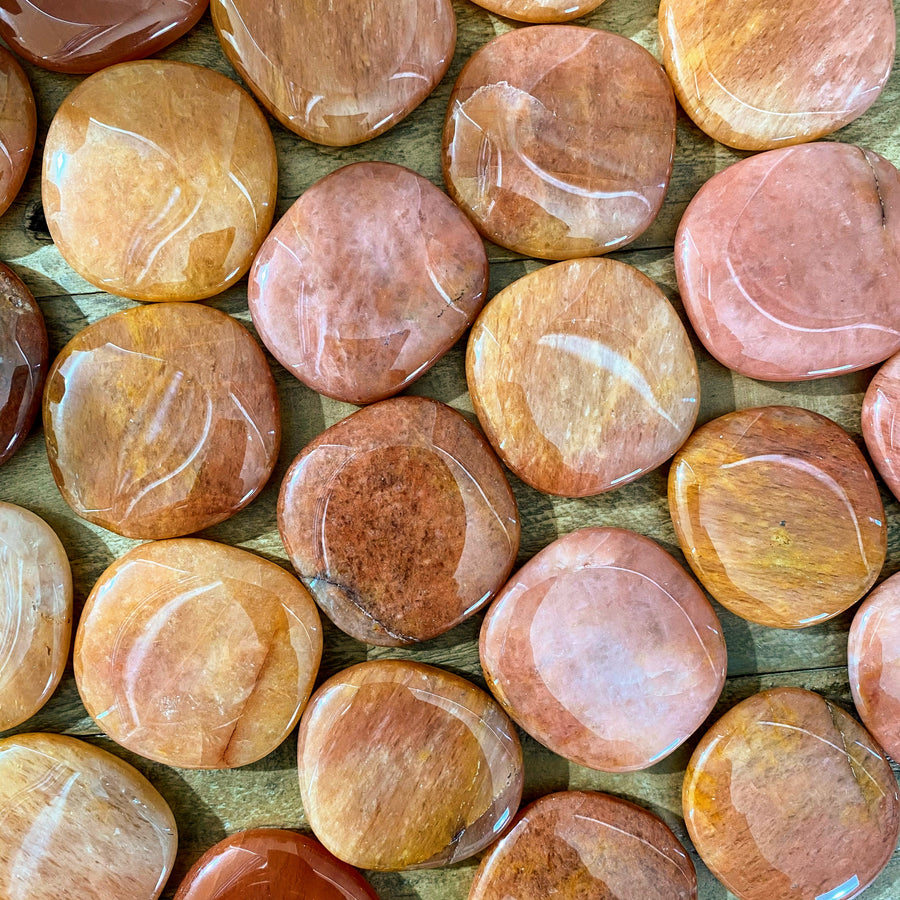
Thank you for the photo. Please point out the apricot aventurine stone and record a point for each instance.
(18, 128)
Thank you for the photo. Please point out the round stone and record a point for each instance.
(79, 822)
(778, 515)
(540, 10)
(367, 280)
(80, 36)
(579, 844)
(787, 796)
(35, 613)
(756, 75)
(264, 863)
(18, 127)
(400, 521)
(770, 249)
(161, 420)
(881, 424)
(331, 74)
(559, 140)
(443, 783)
(23, 361)
(605, 650)
(170, 204)
(197, 654)
(582, 376)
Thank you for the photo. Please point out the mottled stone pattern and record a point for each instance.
(79, 822)
(366, 281)
(540, 10)
(399, 520)
(788, 796)
(161, 420)
(771, 250)
(338, 73)
(581, 845)
(881, 423)
(757, 75)
(404, 765)
(559, 140)
(778, 515)
(159, 180)
(18, 128)
(582, 376)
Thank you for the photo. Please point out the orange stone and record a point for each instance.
(881, 422)
(159, 180)
(778, 515)
(18, 128)
(540, 10)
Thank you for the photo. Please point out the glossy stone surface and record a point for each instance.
(331, 74)
(23, 361)
(881, 424)
(559, 140)
(82, 36)
(159, 180)
(197, 654)
(757, 75)
(79, 822)
(540, 10)
(778, 515)
(35, 613)
(405, 766)
(268, 863)
(366, 281)
(161, 420)
(18, 128)
(787, 796)
(577, 845)
(582, 376)
(770, 249)
(605, 650)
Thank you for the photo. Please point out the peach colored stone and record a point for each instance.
(159, 180)
(540, 10)
(881, 424)
(18, 128)
(197, 654)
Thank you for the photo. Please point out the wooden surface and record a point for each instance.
(209, 805)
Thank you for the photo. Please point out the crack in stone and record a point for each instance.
(354, 597)
(877, 189)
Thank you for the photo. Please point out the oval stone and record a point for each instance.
(80, 36)
(756, 75)
(540, 10)
(35, 613)
(582, 376)
(18, 128)
(559, 140)
(605, 650)
(23, 361)
(787, 796)
(330, 73)
(266, 863)
(171, 205)
(881, 422)
(443, 783)
(580, 844)
(399, 520)
(79, 822)
(367, 280)
(778, 515)
(770, 249)
(161, 420)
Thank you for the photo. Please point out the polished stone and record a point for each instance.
(605, 650)
(881, 422)
(79, 822)
(405, 766)
(399, 520)
(756, 75)
(559, 140)
(271, 864)
(787, 796)
(18, 128)
(770, 249)
(159, 180)
(580, 845)
(582, 376)
(367, 280)
(35, 613)
(23, 361)
(82, 36)
(540, 10)
(197, 654)
(329, 72)
(778, 515)
(161, 420)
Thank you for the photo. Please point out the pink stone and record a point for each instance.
(367, 280)
(605, 650)
(18, 128)
(788, 262)
(540, 10)
(881, 423)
